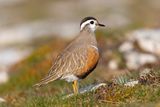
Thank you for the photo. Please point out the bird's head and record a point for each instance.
(90, 22)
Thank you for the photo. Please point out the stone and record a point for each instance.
(2, 100)
(131, 83)
(134, 59)
(89, 88)
(148, 43)
(3, 75)
(113, 65)
(147, 39)
(126, 46)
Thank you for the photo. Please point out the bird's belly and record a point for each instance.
(69, 78)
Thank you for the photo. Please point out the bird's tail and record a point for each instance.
(45, 80)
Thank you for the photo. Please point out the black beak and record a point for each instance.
(102, 25)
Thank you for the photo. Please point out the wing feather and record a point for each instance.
(70, 62)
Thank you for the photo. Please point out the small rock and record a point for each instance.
(132, 83)
(97, 86)
(147, 39)
(10, 56)
(89, 88)
(113, 65)
(2, 100)
(135, 60)
(3, 75)
(126, 46)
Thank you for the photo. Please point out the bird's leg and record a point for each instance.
(75, 87)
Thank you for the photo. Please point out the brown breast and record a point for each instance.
(91, 62)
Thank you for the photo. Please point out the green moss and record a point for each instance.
(19, 91)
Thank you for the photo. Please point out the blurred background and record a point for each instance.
(33, 32)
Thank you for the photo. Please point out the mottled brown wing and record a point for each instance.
(55, 71)
(78, 61)
(70, 61)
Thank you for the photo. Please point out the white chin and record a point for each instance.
(92, 27)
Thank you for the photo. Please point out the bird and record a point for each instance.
(78, 59)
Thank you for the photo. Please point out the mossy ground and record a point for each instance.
(18, 92)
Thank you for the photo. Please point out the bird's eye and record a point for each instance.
(91, 22)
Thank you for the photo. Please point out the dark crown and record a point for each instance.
(87, 18)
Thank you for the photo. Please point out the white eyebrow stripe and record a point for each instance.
(85, 23)
(94, 47)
